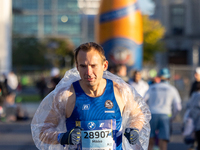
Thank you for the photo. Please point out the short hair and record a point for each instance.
(119, 67)
(87, 47)
(135, 72)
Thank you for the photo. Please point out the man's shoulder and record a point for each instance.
(65, 91)
(116, 85)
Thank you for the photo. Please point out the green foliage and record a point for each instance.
(60, 51)
(28, 52)
(153, 32)
(28, 98)
(31, 53)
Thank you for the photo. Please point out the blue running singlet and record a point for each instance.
(100, 117)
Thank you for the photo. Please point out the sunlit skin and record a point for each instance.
(197, 77)
(137, 77)
(91, 67)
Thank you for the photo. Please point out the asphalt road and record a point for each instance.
(17, 135)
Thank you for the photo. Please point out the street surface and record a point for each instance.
(17, 135)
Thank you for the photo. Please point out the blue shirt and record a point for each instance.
(104, 107)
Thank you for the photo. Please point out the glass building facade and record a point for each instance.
(47, 18)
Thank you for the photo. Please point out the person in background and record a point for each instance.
(10, 106)
(194, 113)
(197, 80)
(111, 68)
(55, 78)
(86, 109)
(140, 85)
(12, 83)
(162, 98)
(3, 86)
(121, 71)
(42, 86)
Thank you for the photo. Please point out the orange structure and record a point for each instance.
(119, 31)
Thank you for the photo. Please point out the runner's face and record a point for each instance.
(138, 77)
(90, 67)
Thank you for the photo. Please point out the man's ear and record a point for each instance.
(105, 65)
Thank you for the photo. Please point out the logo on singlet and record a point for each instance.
(86, 107)
(101, 125)
(109, 104)
(91, 125)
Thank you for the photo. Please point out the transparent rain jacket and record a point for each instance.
(57, 122)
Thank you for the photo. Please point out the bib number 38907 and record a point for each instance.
(97, 140)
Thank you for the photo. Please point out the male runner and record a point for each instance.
(91, 111)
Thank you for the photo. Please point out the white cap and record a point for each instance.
(54, 72)
(198, 70)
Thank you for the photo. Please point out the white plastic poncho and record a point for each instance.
(54, 102)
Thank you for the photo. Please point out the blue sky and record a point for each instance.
(146, 6)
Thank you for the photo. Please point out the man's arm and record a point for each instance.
(176, 104)
(60, 110)
(136, 117)
(130, 109)
(126, 102)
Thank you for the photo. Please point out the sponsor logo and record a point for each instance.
(86, 107)
(101, 125)
(91, 125)
(109, 111)
(109, 104)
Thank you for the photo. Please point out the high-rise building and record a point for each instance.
(47, 18)
(181, 20)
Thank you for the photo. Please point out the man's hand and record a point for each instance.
(71, 137)
(132, 135)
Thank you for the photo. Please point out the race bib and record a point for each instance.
(98, 135)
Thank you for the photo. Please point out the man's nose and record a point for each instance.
(89, 70)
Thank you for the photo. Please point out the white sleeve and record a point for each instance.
(176, 105)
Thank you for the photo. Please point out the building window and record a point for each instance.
(25, 4)
(67, 5)
(177, 19)
(47, 4)
(25, 24)
(178, 57)
(68, 24)
(48, 24)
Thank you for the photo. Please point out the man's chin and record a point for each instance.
(90, 83)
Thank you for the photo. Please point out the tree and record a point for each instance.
(60, 51)
(153, 32)
(28, 52)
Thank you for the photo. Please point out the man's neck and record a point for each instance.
(94, 91)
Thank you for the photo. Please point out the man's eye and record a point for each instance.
(83, 66)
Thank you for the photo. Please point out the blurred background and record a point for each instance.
(37, 39)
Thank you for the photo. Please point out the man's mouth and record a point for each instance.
(89, 79)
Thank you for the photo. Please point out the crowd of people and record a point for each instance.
(164, 103)
(10, 110)
(91, 107)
